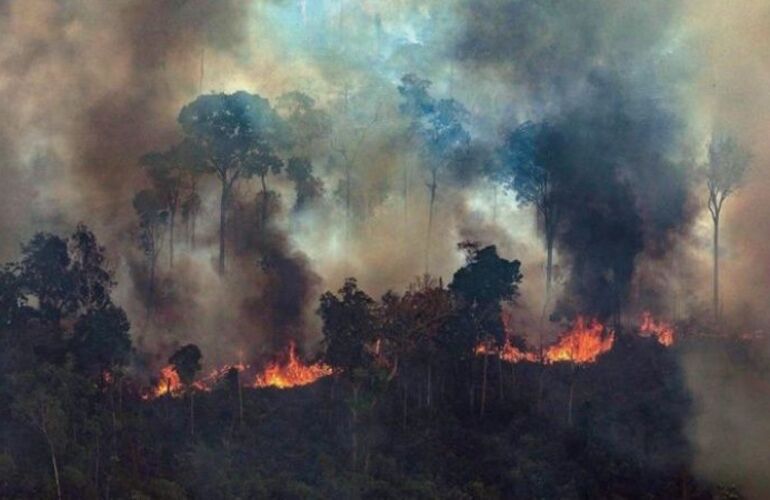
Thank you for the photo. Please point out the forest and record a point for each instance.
(488, 249)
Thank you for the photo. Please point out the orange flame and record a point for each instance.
(509, 352)
(662, 331)
(168, 383)
(583, 343)
(291, 373)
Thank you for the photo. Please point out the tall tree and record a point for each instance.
(480, 287)
(308, 187)
(727, 166)
(187, 363)
(530, 164)
(171, 172)
(152, 222)
(237, 135)
(439, 126)
(350, 326)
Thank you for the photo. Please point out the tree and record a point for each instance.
(531, 162)
(92, 281)
(728, 163)
(306, 123)
(101, 341)
(187, 363)
(350, 326)
(308, 187)
(41, 402)
(152, 221)
(168, 171)
(237, 135)
(44, 274)
(439, 126)
(480, 286)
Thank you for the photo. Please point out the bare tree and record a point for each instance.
(727, 166)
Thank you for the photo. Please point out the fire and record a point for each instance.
(168, 383)
(583, 343)
(292, 372)
(513, 354)
(509, 352)
(662, 331)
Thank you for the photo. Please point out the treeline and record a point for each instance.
(411, 411)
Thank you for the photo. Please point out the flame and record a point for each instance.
(583, 343)
(509, 352)
(662, 331)
(168, 383)
(291, 373)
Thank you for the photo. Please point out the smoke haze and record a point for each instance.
(634, 88)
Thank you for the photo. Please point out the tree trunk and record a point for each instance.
(222, 224)
(571, 399)
(151, 284)
(500, 373)
(406, 404)
(264, 201)
(406, 196)
(193, 215)
(172, 220)
(540, 386)
(354, 427)
(240, 398)
(432, 189)
(548, 267)
(430, 386)
(55, 465)
(484, 387)
(716, 268)
(192, 412)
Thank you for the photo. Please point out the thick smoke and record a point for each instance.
(586, 68)
(634, 89)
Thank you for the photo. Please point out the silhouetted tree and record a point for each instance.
(727, 166)
(152, 222)
(307, 124)
(530, 164)
(187, 363)
(350, 326)
(308, 187)
(100, 341)
(481, 286)
(171, 172)
(238, 135)
(439, 126)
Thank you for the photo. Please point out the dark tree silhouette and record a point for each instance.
(187, 363)
(238, 135)
(438, 124)
(308, 187)
(171, 172)
(530, 166)
(153, 218)
(480, 287)
(727, 166)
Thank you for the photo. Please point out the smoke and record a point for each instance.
(729, 426)
(633, 88)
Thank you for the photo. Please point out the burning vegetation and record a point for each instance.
(290, 371)
(230, 216)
